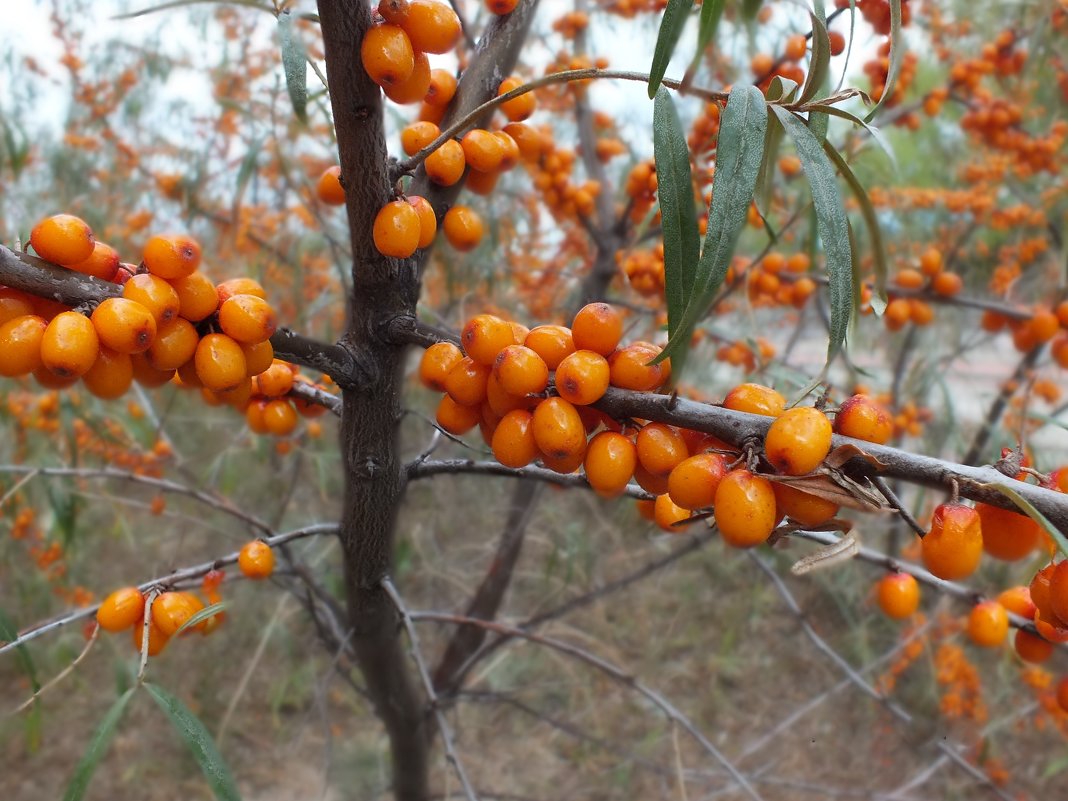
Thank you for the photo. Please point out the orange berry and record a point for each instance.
(49, 380)
(418, 135)
(862, 417)
(988, 623)
(630, 369)
(171, 256)
(484, 336)
(565, 465)
(803, 507)
(442, 88)
(393, 11)
(463, 228)
(69, 345)
(582, 377)
(597, 327)
(197, 296)
(1032, 648)
(1044, 325)
(157, 640)
(445, 166)
(1058, 591)
(660, 448)
(63, 239)
(931, 262)
(837, 42)
(238, 397)
(692, 483)
(397, 229)
(142, 371)
(796, 46)
(428, 221)
(329, 189)
(510, 153)
(909, 278)
(171, 611)
(899, 595)
(258, 356)
(755, 399)
(761, 64)
(898, 312)
(155, 294)
(1018, 601)
(20, 345)
(954, 545)
(1007, 535)
(435, 364)
(518, 108)
(1062, 694)
(103, 262)
(14, 304)
(256, 560)
(415, 87)
(798, 441)
(947, 284)
(744, 509)
(483, 151)
(124, 325)
(247, 319)
(220, 362)
(798, 263)
(121, 609)
(254, 416)
(666, 514)
(1040, 592)
(239, 286)
(275, 381)
(513, 439)
(610, 461)
(387, 54)
(520, 371)
(552, 342)
(558, 429)
(279, 417)
(432, 27)
(466, 382)
(502, 7)
(502, 402)
(526, 138)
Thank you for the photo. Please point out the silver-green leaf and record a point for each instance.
(674, 20)
(295, 64)
(98, 747)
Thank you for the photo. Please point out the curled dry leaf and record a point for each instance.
(836, 487)
(844, 453)
(830, 555)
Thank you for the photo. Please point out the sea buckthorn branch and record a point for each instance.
(174, 578)
(1001, 402)
(317, 396)
(425, 469)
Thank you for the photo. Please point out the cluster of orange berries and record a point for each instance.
(877, 13)
(878, 70)
(571, 24)
(929, 277)
(171, 611)
(644, 269)
(641, 186)
(780, 280)
(741, 353)
(1043, 325)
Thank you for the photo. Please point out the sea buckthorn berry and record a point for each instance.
(518, 108)
(466, 382)
(947, 284)
(171, 256)
(988, 623)
(527, 138)
(463, 228)
(220, 362)
(931, 262)
(954, 545)
(582, 377)
(755, 399)
(693, 482)
(157, 640)
(14, 304)
(597, 327)
(393, 11)
(279, 417)
(456, 419)
(197, 296)
(428, 221)
(862, 417)
(909, 278)
(520, 371)
(256, 560)
(796, 47)
(481, 183)
(387, 54)
(145, 374)
(418, 135)
(69, 345)
(247, 319)
(1018, 601)
(1058, 591)
(1054, 630)
(1044, 325)
(63, 239)
(798, 441)
(897, 313)
(103, 262)
(275, 381)
(49, 380)
(329, 189)
(609, 462)
(483, 151)
(667, 514)
(435, 364)
(660, 448)
(510, 154)
(744, 509)
(552, 342)
(798, 263)
(1032, 648)
(433, 27)
(630, 369)
(502, 7)
(484, 336)
(445, 166)
(837, 42)
(254, 415)
(20, 345)
(155, 294)
(415, 87)
(429, 113)
(111, 374)
(761, 64)
(124, 325)
(442, 88)
(803, 507)
(396, 229)
(239, 286)
(899, 595)
(513, 439)
(565, 465)
(258, 356)
(238, 397)
(121, 609)
(1040, 593)
(1007, 535)
(558, 429)
(171, 610)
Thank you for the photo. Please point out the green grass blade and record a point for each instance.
(674, 20)
(98, 747)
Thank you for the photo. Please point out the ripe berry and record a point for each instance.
(798, 441)
(744, 509)
(513, 439)
(393, 11)
(565, 465)
(155, 294)
(1007, 535)
(220, 362)
(432, 26)
(396, 229)
(954, 545)
(435, 364)
(329, 189)
(796, 47)
(387, 54)
(145, 374)
(1058, 591)
(1062, 694)
(1032, 648)
(428, 221)
(171, 256)
(484, 336)
(445, 166)
(551, 342)
(197, 296)
(103, 262)
(803, 507)
(275, 381)
(501, 402)
(693, 482)
(69, 345)
(899, 595)
(157, 640)
(121, 609)
(837, 43)
(931, 262)
(667, 513)
(1018, 601)
(20, 345)
(14, 304)
(247, 319)
(520, 371)
(518, 108)
(279, 417)
(466, 382)
(947, 284)
(610, 461)
(463, 228)
(861, 417)
(582, 377)
(456, 419)
(988, 623)
(258, 357)
(442, 88)
(256, 560)
(415, 87)
(239, 286)
(597, 327)
(660, 448)
(124, 325)
(510, 154)
(171, 611)
(63, 239)
(630, 369)
(558, 429)
(111, 374)
(527, 138)
(483, 151)
(417, 136)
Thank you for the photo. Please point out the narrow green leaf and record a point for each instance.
(98, 747)
(781, 90)
(675, 16)
(711, 13)
(832, 224)
(739, 152)
(203, 614)
(295, 64)
(750, 8)
(199, 742)
(678, 214)
(876, 134)
(882, 271)
(1029, 509)
(766, 179)
(897, 54)
(849, 43)
(820, 65)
